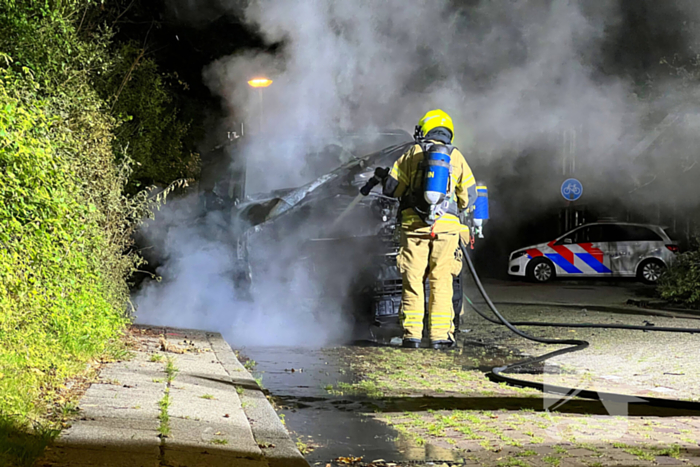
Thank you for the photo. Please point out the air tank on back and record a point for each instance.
(437, 174)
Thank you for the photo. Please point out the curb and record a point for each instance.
(607, 308)
(277, 446)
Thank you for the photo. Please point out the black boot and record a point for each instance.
(411, 343)
(442, 345)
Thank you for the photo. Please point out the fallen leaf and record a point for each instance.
(348, 460)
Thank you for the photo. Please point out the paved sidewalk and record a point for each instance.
(184, 400)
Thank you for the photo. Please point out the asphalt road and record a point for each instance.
(593, 293)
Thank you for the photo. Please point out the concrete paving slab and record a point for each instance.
(209, 425)
(109, 434)
(82, 457)
(187, 401)
(145, 423)
(133, 376)
(229, 439)
(207, 458)
(108, 392)
(209, 382)
(266, 426)
(148, 419)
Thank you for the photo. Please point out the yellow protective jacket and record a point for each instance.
(463, 188)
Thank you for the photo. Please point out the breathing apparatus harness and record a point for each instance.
(432, 196)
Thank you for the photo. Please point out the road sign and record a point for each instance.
(571, 189)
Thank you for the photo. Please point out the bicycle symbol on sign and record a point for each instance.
(572, 188)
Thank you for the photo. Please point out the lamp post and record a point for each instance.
(260, 83)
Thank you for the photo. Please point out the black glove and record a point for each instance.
(380, 174)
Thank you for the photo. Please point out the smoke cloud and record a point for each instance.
(523, 81)
(199, 288)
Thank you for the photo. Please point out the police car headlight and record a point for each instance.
(518, 254)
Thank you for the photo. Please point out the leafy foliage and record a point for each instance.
(149, 126)
(681, 283)
(65, 220)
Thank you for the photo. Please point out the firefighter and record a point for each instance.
(434, 184)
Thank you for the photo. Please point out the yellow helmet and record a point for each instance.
(435, 119)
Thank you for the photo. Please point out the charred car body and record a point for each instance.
(345, 243)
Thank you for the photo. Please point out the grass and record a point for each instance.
(207, 396)
(393, 372)
(21, 447)
(164, 403)
(240, 390)
(219, 441)
(559, 450)
(365, 387)
(650, 453)
(156, 358)
(34, 403)
(512, 462)
(170, 370)
(163, 416)
(303, 448)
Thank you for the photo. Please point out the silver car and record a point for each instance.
(598, 250)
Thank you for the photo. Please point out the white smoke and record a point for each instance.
(198, 288)
(514, 75)
(509, 73)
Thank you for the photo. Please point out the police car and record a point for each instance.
(598, 250)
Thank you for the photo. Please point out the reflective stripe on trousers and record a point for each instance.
(422, 256)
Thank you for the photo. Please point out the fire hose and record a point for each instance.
(575, 345)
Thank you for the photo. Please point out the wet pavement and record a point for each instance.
(299, 380)
(303, 385)
(420, 407)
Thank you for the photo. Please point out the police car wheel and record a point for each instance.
(540, 270)
(650, 271)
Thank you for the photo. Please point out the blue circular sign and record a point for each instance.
(571, 189)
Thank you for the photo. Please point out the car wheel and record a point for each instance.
(540, 270)
(650, 271)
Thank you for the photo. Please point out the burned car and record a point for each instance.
(345, 243)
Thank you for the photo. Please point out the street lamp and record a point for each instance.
(260, 83)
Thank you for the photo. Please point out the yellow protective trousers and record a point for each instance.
(439, 259)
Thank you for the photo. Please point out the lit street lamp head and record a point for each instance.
(260, 82)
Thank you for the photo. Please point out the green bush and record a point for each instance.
(62, 288)
(65, 221)
(681, 283)
(150, 128)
